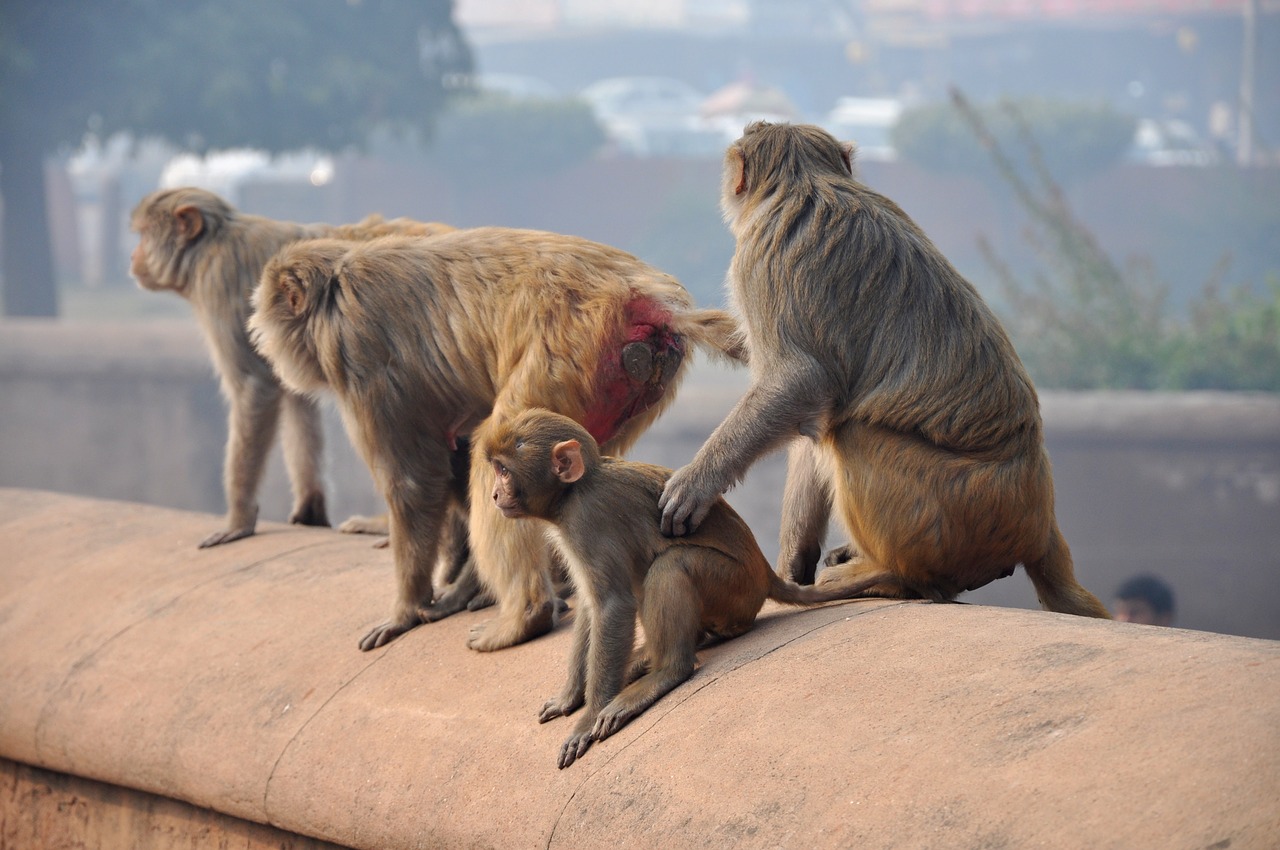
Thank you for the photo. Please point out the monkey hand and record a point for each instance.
(574, 747)
(220, 537)
(686, 500)
(385, 633)
(561, 706)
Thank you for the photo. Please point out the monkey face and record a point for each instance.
(506, 493)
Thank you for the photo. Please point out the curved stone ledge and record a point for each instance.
(229, 679)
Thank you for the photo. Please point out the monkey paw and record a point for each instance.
(841, 555)
(310, 511)
(609, 721)
(561, 706)
(685, 502)
(220, 537)
(387, 632)
(573, 748)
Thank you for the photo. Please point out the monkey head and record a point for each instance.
(769, 156)
(171, 224)
(293, 305)
(536, 457)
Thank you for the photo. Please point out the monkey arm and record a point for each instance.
(573, 694)
(251, 428)
(784, 401)
(613, 626)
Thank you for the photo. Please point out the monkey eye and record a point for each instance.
(500, 469)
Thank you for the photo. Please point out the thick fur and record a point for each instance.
(603, 514)
(197, 245)
(905, 405)
(423, 341)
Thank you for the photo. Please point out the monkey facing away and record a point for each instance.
(424, 341)
(919, 424)
(195, 244)
(603, 515)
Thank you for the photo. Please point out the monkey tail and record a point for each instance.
(717, 332)
(1055, 581)
(790, 593)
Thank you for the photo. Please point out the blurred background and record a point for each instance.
(1106, 172)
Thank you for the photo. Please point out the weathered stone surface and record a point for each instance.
(229, 678)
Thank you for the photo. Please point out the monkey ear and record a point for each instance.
(566, 461)
(847, 152)
(293, 291)
(190, 221)
(737, 166)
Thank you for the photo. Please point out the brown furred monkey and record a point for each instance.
(425, 340)
(922, 428)
(196, 244)
(604, 517)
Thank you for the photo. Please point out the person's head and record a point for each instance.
(1144, 599)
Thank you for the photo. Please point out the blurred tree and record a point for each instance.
(1077, 139)
(1086, 322)
(282, 75)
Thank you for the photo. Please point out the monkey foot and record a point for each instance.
(483, 599)
(310, 511)
(456, 599)
(841, 555)
(364, 525)
(230, 534)
(500, 632)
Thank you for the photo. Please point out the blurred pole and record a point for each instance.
(1244, 146)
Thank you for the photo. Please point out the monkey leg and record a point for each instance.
(303, 453)
(574, 693)
(940, 521)
(461, 593)
(806, 509)
(417, 506)
(512, 560)
(255, 413)
(670, 614)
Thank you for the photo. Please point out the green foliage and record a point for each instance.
(1231, 342)
(1083, 322)
(1076, 138)
(497, 135)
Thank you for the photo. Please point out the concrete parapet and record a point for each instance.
(1184, 485)
(140, 671)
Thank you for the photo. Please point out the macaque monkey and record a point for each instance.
(424, 341)
(195, 244)
(904, 404)
(603, 514)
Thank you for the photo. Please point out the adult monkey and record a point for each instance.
(195, 244)
(921, 425)
(604, 517)
(426, 340)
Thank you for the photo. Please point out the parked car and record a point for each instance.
(653, 116)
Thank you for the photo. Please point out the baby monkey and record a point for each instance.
(604, 517)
